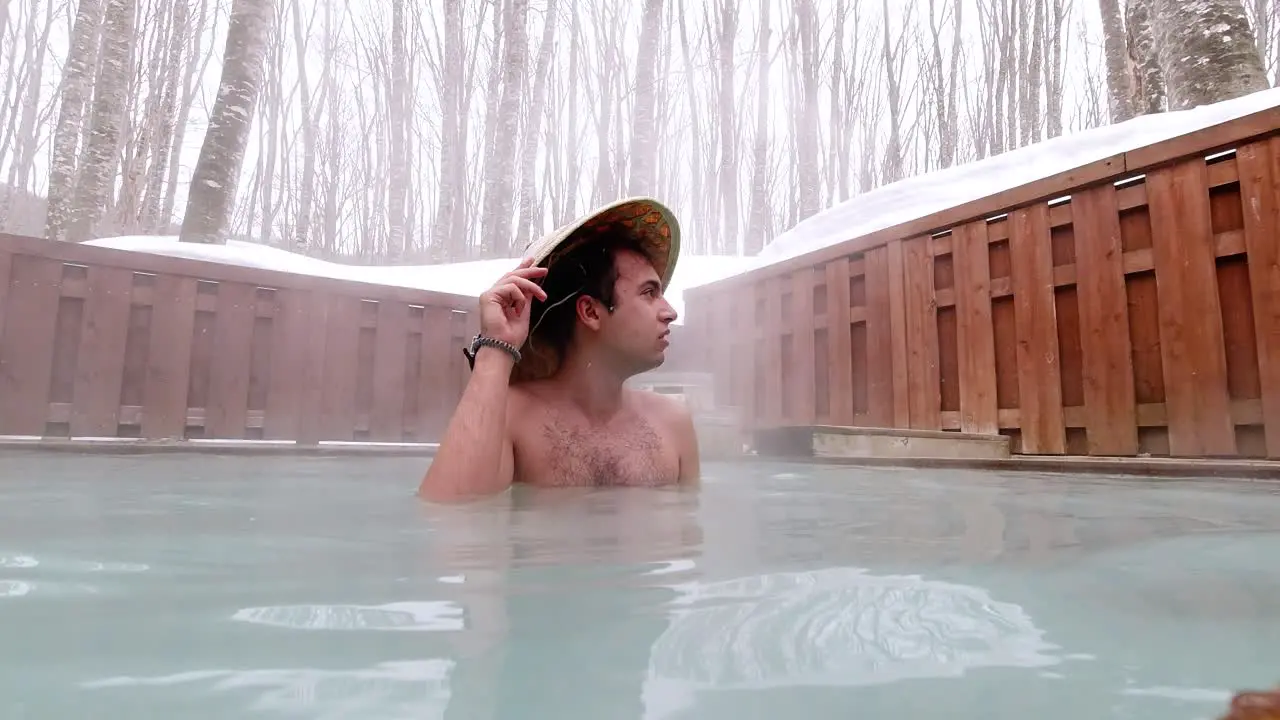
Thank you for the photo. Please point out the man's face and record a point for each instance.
(636, 333)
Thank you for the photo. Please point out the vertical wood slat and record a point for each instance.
(772, 377)
(433, 372)
(839, 352)
(1042, 425)
(164, 393)
(26, 347)
(719, 329)
(1111, 420)
(227, 410)
(1192, 345)
(900, 380)
(800, 323)
(6, 277)
(297, 366)
(921, 330)
(879, 339)
(744, 333)
(1259, 167)
(95, 404)
(389, 391)
(338, 392)
(975, 329)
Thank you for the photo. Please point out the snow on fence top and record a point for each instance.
(466, 278)
(923, 195)
(900, 202)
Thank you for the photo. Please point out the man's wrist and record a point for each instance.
(480, 342)
(489, 358)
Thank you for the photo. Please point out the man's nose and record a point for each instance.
(668, 313)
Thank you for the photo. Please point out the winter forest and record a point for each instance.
(448, 130)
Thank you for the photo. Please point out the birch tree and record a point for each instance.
(1207, 51)
(217, 173)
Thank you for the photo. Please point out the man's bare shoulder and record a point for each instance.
(659, 407)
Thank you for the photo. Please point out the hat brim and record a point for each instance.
(651, 223)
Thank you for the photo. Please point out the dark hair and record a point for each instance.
(588, 268)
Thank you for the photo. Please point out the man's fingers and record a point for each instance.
(533, 272)
(529, 287)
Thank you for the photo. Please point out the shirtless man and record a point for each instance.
(547, 406)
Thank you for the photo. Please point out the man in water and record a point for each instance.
(545, 404)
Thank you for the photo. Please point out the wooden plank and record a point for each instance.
(1039, 372)
(802, 371)
(1192, 347)
(164, 394)
(976, 351)
(6, 269)
(772, 375)
(1259, 165)
(387, 416)
(226, 413)
(879, 340)
(1107, 366)
(297, 366)
(434, 364)
(95, 405)
(921, 318)
(26, 348)
(338, 393)
(839, 353)
(901, 414)
(1204, 141)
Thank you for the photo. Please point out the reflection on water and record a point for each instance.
(412, 689)
(840, 626)
(321, 589)
(417, 616)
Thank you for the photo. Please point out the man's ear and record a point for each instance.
(589, 311)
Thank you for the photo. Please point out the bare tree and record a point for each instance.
(1119, 83)
(95, 180)
(217, 172)
(77, 87)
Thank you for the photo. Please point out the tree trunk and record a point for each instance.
(643, 150)
(1207, 50)
(213, 184)
(77, 88)
(500, 181)
(1147, 76)
(95, 180)
(1119, 83)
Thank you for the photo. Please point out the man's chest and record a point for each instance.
(630, 452)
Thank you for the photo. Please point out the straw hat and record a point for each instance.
(647, 220)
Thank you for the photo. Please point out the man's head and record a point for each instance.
(605, 297)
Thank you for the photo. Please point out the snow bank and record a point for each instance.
(467, 278)
(923, 195)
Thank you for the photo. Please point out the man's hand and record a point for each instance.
(504, 308)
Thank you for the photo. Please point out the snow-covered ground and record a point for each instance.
(881, 208)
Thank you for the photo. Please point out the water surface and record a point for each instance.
(223, 587)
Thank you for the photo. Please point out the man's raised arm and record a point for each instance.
(476, 457)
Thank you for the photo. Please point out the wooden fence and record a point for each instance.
(1128, 306)
(96, 342)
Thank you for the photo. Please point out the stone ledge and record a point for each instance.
(1072, 466)
(831, 441)
(131, 446)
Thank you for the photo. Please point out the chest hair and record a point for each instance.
(626, 453)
